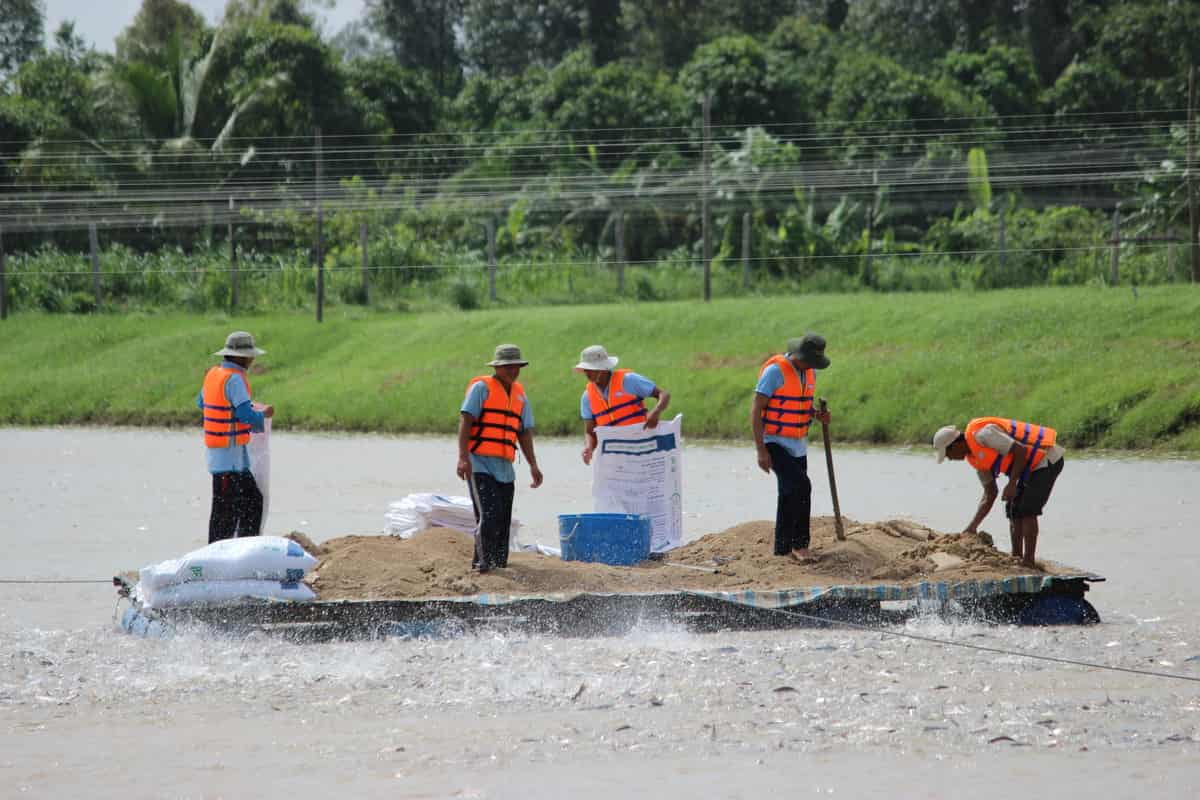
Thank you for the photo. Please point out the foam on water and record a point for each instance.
(806, 688)
(372, 716)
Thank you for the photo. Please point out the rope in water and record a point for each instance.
(1000, 650)
(47, 580)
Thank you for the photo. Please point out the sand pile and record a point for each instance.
(437, 561)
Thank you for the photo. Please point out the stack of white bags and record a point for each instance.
(416, 512)
(255, 567)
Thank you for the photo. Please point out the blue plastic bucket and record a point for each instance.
(620, 539)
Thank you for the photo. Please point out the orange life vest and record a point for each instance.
(1038, 438)
(789, 411)
(494, 433)
(621, 407)
(221, 429)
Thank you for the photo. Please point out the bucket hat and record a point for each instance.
(945, 436)
(240, 344)
(810, 348)
(507, 354)
(596, 358)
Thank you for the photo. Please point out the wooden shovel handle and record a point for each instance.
(837, 511)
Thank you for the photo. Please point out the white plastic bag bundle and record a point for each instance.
(215, 592)
(259, 450)
(416, 512)
(639, 471)
(262, 563)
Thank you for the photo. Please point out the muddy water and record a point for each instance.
(658, 713)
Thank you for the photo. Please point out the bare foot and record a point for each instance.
(804, 556)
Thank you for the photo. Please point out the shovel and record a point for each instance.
(837, 511)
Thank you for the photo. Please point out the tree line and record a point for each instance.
(837, 130)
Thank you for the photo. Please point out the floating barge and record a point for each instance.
(1022, 599)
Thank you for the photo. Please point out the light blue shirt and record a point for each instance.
(235, 458)
(768, 384)
(634, 384)
(499, 468)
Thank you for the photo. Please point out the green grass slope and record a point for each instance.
(1107, 368)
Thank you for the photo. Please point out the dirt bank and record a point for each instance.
(436, 563)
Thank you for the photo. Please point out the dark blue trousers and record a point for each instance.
(794, 506)
(493, 503)
(237, 506)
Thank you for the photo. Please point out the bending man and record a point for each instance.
(1027, 453)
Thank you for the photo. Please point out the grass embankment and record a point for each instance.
(1106, 368)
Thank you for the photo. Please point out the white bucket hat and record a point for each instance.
(596, 358)
(240, 344)
(944, 437)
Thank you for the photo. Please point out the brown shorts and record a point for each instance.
(1033, 493)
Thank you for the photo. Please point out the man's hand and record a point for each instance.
(652, 420)
(587, 454)
(822, 416)
(537, 476)
(764, 460)
(268, 411)
(1010, 491)
(463, 469)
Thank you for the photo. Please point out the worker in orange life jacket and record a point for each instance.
(228, 418)
(494, 420)
(780, 416)
(1029, 454)
(614, 397)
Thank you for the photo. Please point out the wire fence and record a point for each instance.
(501, 215)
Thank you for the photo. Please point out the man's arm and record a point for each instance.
(664, 400)
(465, 421)
(247, 415)
(1020, 459)
(590, 442)
(985, 502)
(756, 424)
(525, 439)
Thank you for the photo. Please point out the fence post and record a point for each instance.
(1193, 211)
(94, 249)
(320, 244)
(1114, 273)
(705, 224)
(868, 275)
(1171, 261)
(1002, 246)
(746, 250)
(619, 250)
(366, 264)
(3, 280)
(491, 257)
(233, 264)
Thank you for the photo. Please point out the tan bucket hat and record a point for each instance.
(240, 344)
(507, 354)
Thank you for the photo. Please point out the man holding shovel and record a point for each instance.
(780, 416)
(1027, 453)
